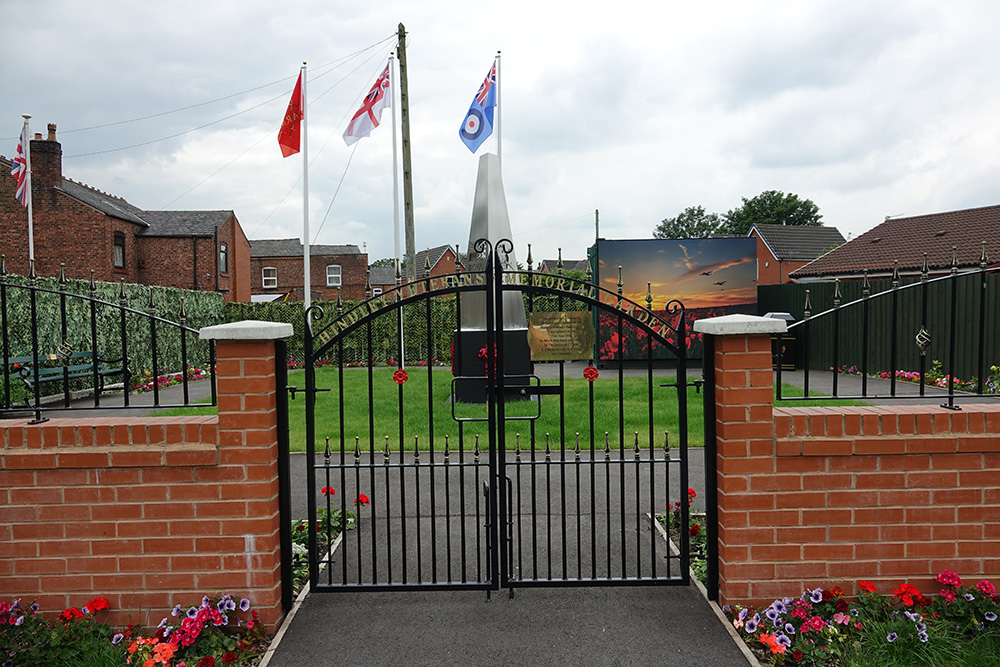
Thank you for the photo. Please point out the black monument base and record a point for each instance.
(470, 368)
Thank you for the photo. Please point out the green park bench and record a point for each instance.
(52, 367)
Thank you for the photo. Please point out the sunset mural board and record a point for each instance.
(711, 277)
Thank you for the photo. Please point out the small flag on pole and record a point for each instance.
(368, 116)
(19, 168)
(478, 124)
(291, 126)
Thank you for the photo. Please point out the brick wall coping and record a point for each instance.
(732, 325)
(247, 330)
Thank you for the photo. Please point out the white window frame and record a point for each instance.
(376, 291)
(269, 281)
(224, 258)
(334, 280)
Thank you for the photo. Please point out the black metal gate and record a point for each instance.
(555, 477)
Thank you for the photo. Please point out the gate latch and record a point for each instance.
(292, 390)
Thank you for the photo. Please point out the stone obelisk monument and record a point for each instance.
(489, 221)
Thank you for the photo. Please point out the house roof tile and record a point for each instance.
(798, 242)
(293, 248)
(907, 239)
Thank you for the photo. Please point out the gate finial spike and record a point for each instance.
(151, 303)
(954, 259)
(548, 448)
(326, 451)
(620, 283)
(357, 450)
(836, 292)
(983, 259)
(399, 276)
(577, 448)
(666, 443)
(3, 265)
(427, 263)
(458, 262)
(559, 263)
(807, 309)
(529, 257)
(183, 312)
(607, 446)
(636, 445)
(31, 271)
(416, 448)
(590, 273)
(447, 450)
(388, 451)
(93, 284)
(121, 293)
(866, 287)
(476, 450)
(517, 447)
(368, 283)
(924, 269)
(895, 273)
(649, 296)
(340, 304)
(62, 276)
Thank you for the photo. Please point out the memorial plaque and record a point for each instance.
(562, 336)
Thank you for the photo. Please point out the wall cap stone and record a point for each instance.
(247, 330)
(732, 325)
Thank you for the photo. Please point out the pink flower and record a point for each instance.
(987, 588)
(948, 594)
(949, 578)
(841, 618)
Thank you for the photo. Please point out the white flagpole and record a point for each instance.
(306, 241)
(497, 117)
(26, 133)
(395, 203)
(395, 171)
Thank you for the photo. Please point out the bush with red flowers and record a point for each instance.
(823, 628)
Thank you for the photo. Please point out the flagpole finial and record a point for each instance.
(26, 116)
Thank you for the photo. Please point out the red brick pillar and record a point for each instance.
(246, 366)
(744, 440)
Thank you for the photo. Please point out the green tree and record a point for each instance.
(386, 261)
(691, 223)
(771, 208)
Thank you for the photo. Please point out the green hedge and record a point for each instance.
(202, 309)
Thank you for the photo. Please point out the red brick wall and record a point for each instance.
(353, 273)
(148, 512)
(770, 270)
(821, 496)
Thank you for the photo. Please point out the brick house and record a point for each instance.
(276, 271)
(86, 229)
(441, 260)
(906, 240)
(552, 265)
(782, 249)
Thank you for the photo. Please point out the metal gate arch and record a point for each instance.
(483, 505)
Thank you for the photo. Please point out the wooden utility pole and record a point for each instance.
(404, 113)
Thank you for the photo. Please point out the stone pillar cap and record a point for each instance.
(732, 325)
(247, 330)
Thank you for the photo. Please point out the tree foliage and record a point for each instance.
(691, 223)
(771, 207)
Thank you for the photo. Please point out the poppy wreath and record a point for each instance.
(590, 373)
(400, 376)
(488, 362)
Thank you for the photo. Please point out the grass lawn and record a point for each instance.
(385, 396)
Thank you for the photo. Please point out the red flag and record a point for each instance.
(288, 135)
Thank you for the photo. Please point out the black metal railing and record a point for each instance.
(65, 351)
(870, 345)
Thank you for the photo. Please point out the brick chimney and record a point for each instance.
(46, 161)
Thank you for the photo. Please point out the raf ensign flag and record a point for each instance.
(291, 126)
(478, 124)
(367, 117)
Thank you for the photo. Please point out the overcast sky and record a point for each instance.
(869, 108)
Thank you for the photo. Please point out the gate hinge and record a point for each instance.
(694, 383)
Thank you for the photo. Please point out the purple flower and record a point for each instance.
(244, 604)
(743, 614)
(205, 601)
(990, 616)
(891, 637)
(117, 638)
(970, 597)
(771, 613)
(20, 620)
(230, 605)
(911, 616)
(751, 627)
(816, 596)
(783, 641)
(162, 624)
(789, 629)
(167, 630)
(922, 636)
(176, 611)
(34, 607)
(85, 610)
(192, 612)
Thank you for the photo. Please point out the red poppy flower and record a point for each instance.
(590, 373)
(400, 376)
(866, 586)
(328, 490)
(695, 529)
(363, 499)
(98, 604)
(70, 614)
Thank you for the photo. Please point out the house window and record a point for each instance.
(223, 258)
(119, 256)
(376, 291)
(450, 281)
(270, 275)
(333, 275)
